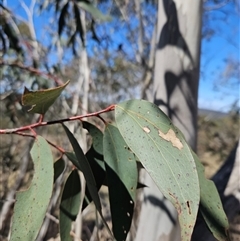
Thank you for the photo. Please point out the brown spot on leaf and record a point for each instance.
(171, 136)
(177, 204)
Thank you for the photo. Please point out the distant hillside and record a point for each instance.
(211, 114)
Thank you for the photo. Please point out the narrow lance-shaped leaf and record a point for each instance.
(85, 168)
(211, 205)
(122, 175)
(95, 153)
(95, 158)
(72, 157)
(31, 205)
(164, 154)
(70, 203)
(41, 100)
(59, 167)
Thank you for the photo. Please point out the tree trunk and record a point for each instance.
(176, 79)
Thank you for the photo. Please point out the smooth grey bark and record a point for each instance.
(177, 63)
(176, 80)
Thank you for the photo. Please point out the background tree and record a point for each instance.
(175, 91)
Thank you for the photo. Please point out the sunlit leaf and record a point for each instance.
(122, 175)
(211, 205)
(164, 154)
(41, 100)
(70, 203)
(31, 205)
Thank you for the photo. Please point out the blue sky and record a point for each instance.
(222, 45)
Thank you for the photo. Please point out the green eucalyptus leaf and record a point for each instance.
(97, 137)
(41, 100)
(122, 176)
(211, 206)
(59, 167)
(31, 205)
(95, 158)
(85, 167)
(72, 157)
(165, 155)
(70, 203)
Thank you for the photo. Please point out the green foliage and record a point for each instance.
(210, 205)
(142, 133)
(122, 176)
(70, 203)
(95, 157)
(165, 155)
(63, 21)
(85, 167)
(41, 100)
(59, 166)
(31, 205)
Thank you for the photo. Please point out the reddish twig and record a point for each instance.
(55, 146)
(24, 134)
(45, 123)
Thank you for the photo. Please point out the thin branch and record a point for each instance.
(57, 147)
(32, 70)
(25, 7)
(45, 123)
(52, 218)
(24, 134)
